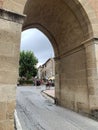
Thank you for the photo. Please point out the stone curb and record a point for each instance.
(43, 91)
(54, 98)
(17, 122)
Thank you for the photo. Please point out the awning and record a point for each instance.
(52, 78)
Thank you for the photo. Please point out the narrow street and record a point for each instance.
(38, 112)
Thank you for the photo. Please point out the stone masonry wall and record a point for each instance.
(73, 91)
(10, 30)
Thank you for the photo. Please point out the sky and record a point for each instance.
(34, 40)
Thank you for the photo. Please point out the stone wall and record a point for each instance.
(73, 92)
(10, 30)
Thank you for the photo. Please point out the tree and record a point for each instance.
(27, 64)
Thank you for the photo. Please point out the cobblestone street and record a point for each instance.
(38, 112)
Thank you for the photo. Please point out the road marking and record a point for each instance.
(18, 125)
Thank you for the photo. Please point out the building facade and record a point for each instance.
(47, 70)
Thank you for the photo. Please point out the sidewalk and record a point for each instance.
(50, 92)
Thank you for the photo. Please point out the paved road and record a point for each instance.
(37, 112)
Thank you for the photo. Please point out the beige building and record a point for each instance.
(47, 70)
(40, 72)
(72, 28)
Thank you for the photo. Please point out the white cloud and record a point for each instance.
(37, 42)
(39, 64)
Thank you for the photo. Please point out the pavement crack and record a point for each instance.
(40, 127)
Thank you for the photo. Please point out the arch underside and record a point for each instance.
(63, 20)
(67, 26)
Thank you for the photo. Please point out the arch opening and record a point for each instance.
(34, 40)
(37, 42)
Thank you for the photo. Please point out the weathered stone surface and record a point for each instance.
(3, 111)
(10, 31)
(10, 109)
(72, 26)
(10, 125)
(3, 126)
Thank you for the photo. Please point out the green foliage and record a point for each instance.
(25, 82)
(27, 64)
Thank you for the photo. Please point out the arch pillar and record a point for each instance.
(91, 49)
(77, 78)
(76, 75)
(72, 91)
(57, 81)
(10, 34)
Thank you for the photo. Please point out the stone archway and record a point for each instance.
(72, 27)
(68, 24)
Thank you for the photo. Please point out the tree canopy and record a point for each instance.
(27, 64)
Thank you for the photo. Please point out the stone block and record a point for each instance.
(3, 108)
(10, 125)
(10, 110)
(15, 6)
(2, 125)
